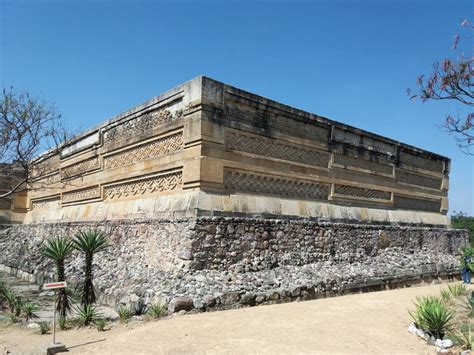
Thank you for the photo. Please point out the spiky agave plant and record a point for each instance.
(89, 242)
(58, 249)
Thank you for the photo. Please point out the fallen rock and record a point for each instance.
(180, 304)
(33, 326)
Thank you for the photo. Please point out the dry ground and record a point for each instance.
(362, 323)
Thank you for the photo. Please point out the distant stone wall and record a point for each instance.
(256, 244)
(223, 263)
(10, 176)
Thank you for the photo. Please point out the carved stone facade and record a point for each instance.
(145, 151)
(244, 181)
(208, 149)
(209, 182)
(149, 185)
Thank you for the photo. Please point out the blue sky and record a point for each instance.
(351, 61)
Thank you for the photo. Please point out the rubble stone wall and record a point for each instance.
(209, 263)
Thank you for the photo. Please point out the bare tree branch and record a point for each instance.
(28, 127)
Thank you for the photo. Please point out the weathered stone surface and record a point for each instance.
(181, 304)
(300, 259)
(206, 148)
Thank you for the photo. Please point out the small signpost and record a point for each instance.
(55, 347)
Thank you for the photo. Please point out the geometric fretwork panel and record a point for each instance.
(80, 168)
(48, 180)
(46, 203)
(154, 184)
(270, 148)
(145, 151)
(348, 161)
(419, 180)
(245, 181)
(140, 124)
(362, 192)
(81, 194)
(410, 203)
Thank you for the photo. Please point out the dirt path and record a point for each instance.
(363, 323)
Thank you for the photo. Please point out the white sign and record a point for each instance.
(53, 285)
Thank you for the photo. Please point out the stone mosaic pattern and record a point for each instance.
(45, 203)
(244, 181)
(145, 151)
(410, 203)
(50, 179)
(80, 167)
(351, 162)
(264, 120)
(362, 192)
(154, 184)
(81, 194)
(140, 124)
(415, 179)
(276, 149)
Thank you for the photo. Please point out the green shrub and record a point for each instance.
(44, 327)
(463, 221)
(89, 243)
(59, 249)
(464, 337)
(139, 308)
(29, 309)
(62, 323)
(18, 306)
(12, 317)
(100, 324)
(157, 310)
(124, 313)
(457, 289)
(433, 316)
(10, 297)
(87, 314)
(446, 295)
(3, 287)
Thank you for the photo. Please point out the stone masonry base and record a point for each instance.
(204, 264)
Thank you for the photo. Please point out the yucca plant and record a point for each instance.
(12, 317)
(58, 249)
(87, 314)
(10, 297)
(124, 313)
(457, 289)
(62, 323)
(463, 336)
(44, 327)
(89, 242)
(156, 310)
(100, 324)
(3, 287)
(433, 316)
(18, 306)
(446, 295)
(29, 309)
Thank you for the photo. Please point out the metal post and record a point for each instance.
(54, 318)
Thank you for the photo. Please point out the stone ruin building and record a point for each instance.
(216, 197)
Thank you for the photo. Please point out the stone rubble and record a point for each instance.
(255, 261)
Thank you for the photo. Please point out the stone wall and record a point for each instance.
(207, 138)
(256, 244)
(221, 263)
